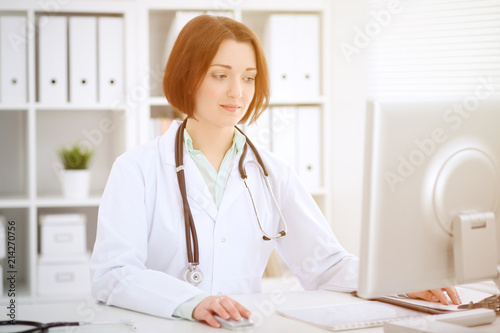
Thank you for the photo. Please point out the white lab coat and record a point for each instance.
(140, 249)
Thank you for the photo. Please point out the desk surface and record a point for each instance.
(262, 305)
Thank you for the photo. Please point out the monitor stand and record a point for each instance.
(474, 236)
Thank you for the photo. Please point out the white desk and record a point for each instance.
(262, 305)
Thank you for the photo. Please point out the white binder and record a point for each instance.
(179, 21)
(292, 47)
(284, 133)
(110, 62)
(53, 59)
(260, 131)
(280, 47)
(13, 87)
(82, 60)
(307, 55)
(309, 146)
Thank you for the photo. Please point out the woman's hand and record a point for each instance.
(437, 295)
(223, 306)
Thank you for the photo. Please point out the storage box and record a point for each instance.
(69, 276)
(63, 234)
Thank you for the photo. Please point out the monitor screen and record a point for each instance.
(426, 162)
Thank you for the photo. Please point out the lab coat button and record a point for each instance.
(198, 156)
(223, 240)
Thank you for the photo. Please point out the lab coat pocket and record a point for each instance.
(165, 230)
(249, 252)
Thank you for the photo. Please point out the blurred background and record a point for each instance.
(88, 74)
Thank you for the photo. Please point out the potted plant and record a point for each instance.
(75, 176)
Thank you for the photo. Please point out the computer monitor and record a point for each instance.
(431, 201)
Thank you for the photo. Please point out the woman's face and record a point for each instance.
(228, 87)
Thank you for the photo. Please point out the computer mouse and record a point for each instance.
(232, 324)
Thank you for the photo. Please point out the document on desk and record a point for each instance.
(466, 295)
(339, 317)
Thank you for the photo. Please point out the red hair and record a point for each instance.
(192, 54)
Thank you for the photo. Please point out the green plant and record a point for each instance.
(75, 157)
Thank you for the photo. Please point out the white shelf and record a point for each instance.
(282, 6)
(72, 107)
(33, 131)
(158, 101)
(231, 5)
(14, 107)
(53, 200)
(160, 16)
(188, 5)
(14, 202)
(59, 201)
(299, 101)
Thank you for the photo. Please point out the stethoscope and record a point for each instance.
(192, 273)
(27, 326)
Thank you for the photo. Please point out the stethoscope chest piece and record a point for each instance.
(193, 275)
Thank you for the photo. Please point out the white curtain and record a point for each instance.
(432, 48)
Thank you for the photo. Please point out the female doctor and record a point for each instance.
(177, 222)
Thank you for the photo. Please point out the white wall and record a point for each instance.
(347, 121)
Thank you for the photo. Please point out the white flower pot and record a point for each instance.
(76, 184)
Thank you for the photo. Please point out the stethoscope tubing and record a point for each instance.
(192, 250)
(266, 236)
(39, 327)
(241, 167)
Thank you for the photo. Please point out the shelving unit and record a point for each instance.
(31, 132)
(157, 18)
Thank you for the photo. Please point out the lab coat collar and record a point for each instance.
(167, 143)
(197, 189)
